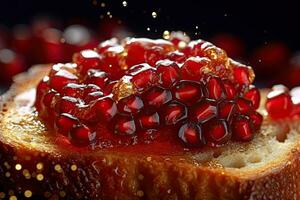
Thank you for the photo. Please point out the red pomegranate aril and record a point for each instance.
(92, 92)
(103, 46)
(194, 48)
(82, 136)
(279, 104)
(131, 104)
(87, 59)
(157, 96)
(190, 134)
(241, 129)
(203, 111)
(73, 90)
(153, 55)
(168, 73)
(48, 98)
(61, 79)
(243, 105)
(124, 125)
(229, 89)
(68, 104)
(187, 92)
(216, 132)
(256, 119)
(176, 56)
(214, 88)
(195, 67)
(143, 76)
(173, 113)
(106, 108)
(97, 77)
(253, 95)
(149, 120)
(226, 109)
(42, 88)
(241, 75)
(65, 123)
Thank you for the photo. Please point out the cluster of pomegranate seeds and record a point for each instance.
(136, 90)
(282, 103)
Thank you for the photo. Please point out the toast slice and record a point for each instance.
(33, 164)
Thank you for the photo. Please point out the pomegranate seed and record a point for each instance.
(148, 121)
(241, 75)
(48, 98)
(82, 136)
(103, 46)
(243, 105)
(73, 90)
(194, 48)
(143, 76)
(187, 92)
(230, 90)
(241, 129)
(124, 125)
(216, 132)
(173, 113)
(65, 123)
(214, 88)
(157, 96)
(97, 77)
(253, 95)
(168, 73)
(153, 55)
(87, 59)
(92, 92)
(106, 108)
(195, 67)
(203, 111)
(131, 104)
(68, 104)
(226, 109)
(190, 133)
(256, 119)
(61, 79)
(279, 104)
(176, 56)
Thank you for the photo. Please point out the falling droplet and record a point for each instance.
(148, 29)
(124, 3)
(197, 27)
(166, 35)
(154, 14)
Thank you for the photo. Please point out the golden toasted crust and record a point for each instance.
(31, 163)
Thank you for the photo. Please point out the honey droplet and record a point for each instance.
(166, 35)
(123, 88)
(40, 177)
(154, 14)
(27, 193)
(18, 167)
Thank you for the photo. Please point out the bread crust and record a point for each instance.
(53, 172)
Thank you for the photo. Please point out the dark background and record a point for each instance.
(254, 22)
